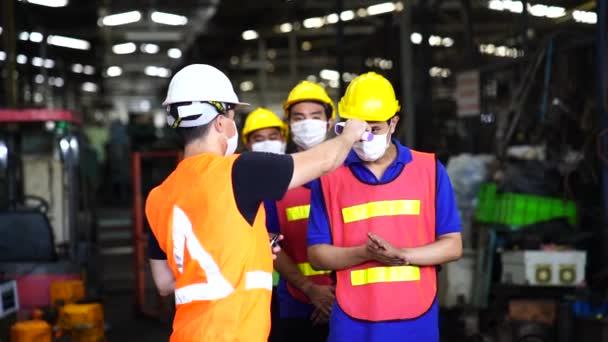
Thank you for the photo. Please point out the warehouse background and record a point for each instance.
(511, 95)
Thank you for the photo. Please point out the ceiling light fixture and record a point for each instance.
(150, 49)
(174, 53)
(114, 71)
(385, 7)
(89, 87)
(124, 48)
(316, 22)
(49, 3)
(347, 15)
(168, 18)
(67, 42)
(121, 18)
(250, 35)
(36, 37)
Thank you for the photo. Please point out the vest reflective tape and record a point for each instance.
(258, 280)
(381, 208)
(307, 270)
(384, 274)
(298, 213)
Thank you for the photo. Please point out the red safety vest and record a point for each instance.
(403, 213)
(293, 211)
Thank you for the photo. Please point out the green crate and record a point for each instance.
(517, 210)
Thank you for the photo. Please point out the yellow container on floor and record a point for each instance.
(83, 322)
(69, 291)
(31, 331)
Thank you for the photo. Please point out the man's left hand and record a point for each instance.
(384, 252)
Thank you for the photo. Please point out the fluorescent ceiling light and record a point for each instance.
(315, 22)
(152, 70)
(250, 35)
(174, 53)
(114, 71)
(67, 42)
(306, 45)
(329, 75)
(332, 18)
(246, 86)
(124, 48)
(36, 37)
(49, 3)
(77, 68)
(149, 48)
(555, 12)
(49, 63)
(24, 36)
(447, 42)
(362, 12)
(347, 15)
(586, 17)
(37, 61)
(58, 82)
(21, 59)
(168, 18)
(434, 40)
(88, 70)
(286, 27)
(89, 87)
(381, 8)
(121, 18)
(416, 38)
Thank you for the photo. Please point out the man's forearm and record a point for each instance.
(445, 249)
(320, 160)
(289, 270)
(328, 257)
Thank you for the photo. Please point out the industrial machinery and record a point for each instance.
(44, 220)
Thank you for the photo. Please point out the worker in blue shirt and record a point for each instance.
(306, 295)
(383, 221)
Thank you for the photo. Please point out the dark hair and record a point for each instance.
(327, 109)
(188, 134)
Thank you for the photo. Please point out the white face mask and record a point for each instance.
(232, 142)
(370, 151)
(270, 146)
(309, 133)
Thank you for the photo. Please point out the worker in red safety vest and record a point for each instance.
(383, 221)
(306, 295)
(209, 244)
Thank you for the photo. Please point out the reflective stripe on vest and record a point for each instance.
(380, 208)
(297, 213)
(384, 274)
(308, 271)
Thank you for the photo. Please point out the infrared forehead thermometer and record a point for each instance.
(339, 128)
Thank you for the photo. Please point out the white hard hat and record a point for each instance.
(200, 82)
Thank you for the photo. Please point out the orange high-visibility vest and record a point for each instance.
(293, 210)
(402, 212)
(222, 264)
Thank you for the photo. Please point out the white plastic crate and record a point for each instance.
(544, 268)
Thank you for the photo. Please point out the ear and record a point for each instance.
(394, 122)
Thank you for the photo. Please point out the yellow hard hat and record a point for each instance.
(369, 97)
(262, 118)
(308, 91)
